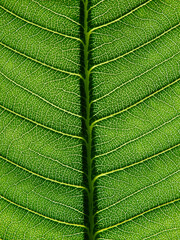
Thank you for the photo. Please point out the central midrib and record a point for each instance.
(87, 125)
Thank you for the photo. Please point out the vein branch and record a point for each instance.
(41, 27)
(135, 104)
(137, 48)
(40, 124)
(41, 215)
(136, 163)
(39, 62)
(41, 176)
(137, 216)
(38, 96)
(118, 19)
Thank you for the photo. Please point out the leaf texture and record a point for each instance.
(89, 119)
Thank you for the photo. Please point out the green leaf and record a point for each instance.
(89, 119)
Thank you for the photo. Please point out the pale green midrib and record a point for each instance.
(89, 128)
(88, 125)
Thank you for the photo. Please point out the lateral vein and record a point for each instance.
(58, 14)
(41, 125)
(43, 177)
(125, 15)
(41, 215)
(44, 28)
(39, 62)
(137, 138)
(136, 163)
(138, 191)
(135, 49)
(139, 215)
(166, 230)
(43, 99)
(135, 104)
(134, 78)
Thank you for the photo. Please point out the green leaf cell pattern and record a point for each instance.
(89, 119)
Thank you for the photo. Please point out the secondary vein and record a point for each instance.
(41, 176)
(40, 124)
(39, 214)
(41, 27)
(137, 216)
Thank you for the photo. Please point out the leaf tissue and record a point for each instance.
(89, 119)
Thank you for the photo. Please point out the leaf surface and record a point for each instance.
(89, 119)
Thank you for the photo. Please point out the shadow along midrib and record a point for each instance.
(88, 128)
